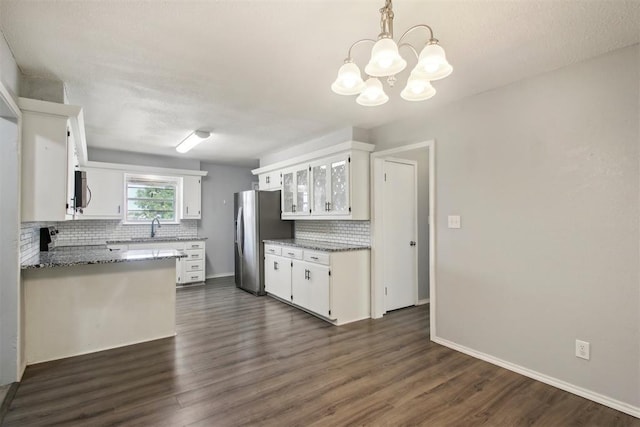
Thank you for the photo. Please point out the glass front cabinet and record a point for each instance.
(296, 194)
(330, 186)
(325, 187)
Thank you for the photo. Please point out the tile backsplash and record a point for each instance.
(30, 239)
(88, 232)
(350, 232)
(92, 232)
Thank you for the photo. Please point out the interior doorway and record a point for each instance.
(423, 154)
(399, 231)
(10, 369)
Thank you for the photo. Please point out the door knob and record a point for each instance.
(412, 243)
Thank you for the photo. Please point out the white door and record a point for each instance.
(399, 222)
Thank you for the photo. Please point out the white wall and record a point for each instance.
(218, 188)
(545, 175)
(9, 72)
(10, 223)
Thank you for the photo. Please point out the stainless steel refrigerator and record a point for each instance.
(257, 217)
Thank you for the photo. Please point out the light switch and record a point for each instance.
(454, 221)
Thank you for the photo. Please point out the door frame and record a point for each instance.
(12, 363)
(377, 254)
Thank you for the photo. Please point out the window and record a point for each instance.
(151, 197)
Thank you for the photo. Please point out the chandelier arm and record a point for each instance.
(431, 38)
(354, 45)
(413, 49)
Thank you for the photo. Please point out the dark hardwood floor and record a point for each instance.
(241, 360)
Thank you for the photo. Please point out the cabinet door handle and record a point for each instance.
(187, 210)
(290, 253)
(118, 208)
(194, 277)
(314, 257)
(308, 274)
(275, 265)
(329, 206)
(412, 243)
(293, 208)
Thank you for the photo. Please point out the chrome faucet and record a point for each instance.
(153, 229)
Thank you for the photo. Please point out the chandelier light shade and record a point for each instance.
(192, 140)
(432, 63)
(386, 61)
(417, 89)
(349, 80)
(373, 94)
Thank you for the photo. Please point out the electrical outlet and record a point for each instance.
(582, 350)
(453, 221)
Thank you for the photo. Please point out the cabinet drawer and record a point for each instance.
(294, 253)
(194, 266)
(193, 254)
(194, 276)
(156, 245)
(317, 257)
(194, 245)
(273, 249)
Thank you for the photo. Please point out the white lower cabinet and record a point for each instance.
(332, 285)
(311, 287)
(188, 270)
(191, 268)
(277, 276)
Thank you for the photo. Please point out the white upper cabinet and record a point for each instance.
(332, 183)
(269, 181)
(106, 194)
(191, 197)
(330, 191)
(46, 157)
(296, 192)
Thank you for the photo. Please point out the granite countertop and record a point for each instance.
(156, 239)
(77, 255)
(318, 245)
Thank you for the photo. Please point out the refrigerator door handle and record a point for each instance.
(239, 231)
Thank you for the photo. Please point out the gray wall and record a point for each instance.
(43, 89)
(421, 156)
(545, 176)
(10, 224)
(141, 159)
(218, 188)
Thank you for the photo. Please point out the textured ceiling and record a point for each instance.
(257, 73)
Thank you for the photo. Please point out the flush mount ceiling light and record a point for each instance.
(431, 64)
(192, 140)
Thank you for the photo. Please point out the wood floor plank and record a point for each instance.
(245, 360)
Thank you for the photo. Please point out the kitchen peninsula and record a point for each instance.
(80, 300)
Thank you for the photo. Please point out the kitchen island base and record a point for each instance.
(79, 309)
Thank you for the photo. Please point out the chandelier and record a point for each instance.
(386, 62)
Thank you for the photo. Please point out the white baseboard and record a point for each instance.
(423, 301)
(562, 385)
(215, 276)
